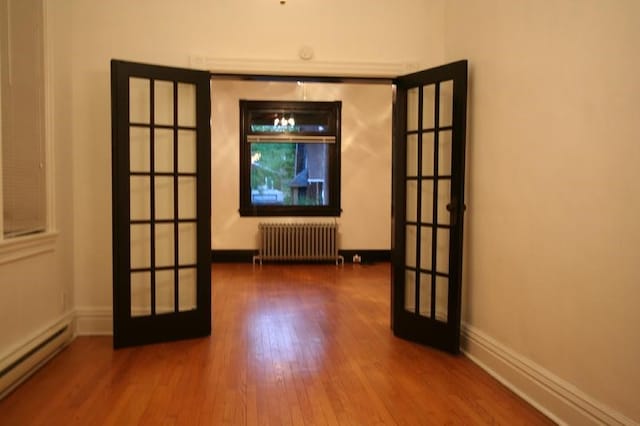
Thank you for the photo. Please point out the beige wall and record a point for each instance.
(38, 290)
(167, 32)
(552, 230)
(365, 160)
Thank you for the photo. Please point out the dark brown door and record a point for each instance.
(428, 205)
(161, 177)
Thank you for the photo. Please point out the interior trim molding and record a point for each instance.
(302, 67)
(232, 256)
(31, 245)
(246, 256)
(94, 321)
(366, 255)
(558, 399)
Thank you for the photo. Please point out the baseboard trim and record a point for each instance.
(559, 400)
(232, 256)
(94, 322)
(366, 256)
(21, 362)
(246, 256)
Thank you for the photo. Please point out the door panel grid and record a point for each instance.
(163, 167)
(428, 189)
(161, 176)
(428, 193)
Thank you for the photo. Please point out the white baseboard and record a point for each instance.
(25, 358)
(94, 322)
(561, 401)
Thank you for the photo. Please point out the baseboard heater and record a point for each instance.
(297, 242)
(22, 363)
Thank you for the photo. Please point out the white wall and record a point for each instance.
(37, 290)
(365, 160)
(167, 32)
(552, 231)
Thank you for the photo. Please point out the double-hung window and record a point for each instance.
(25, 219)
(289, 158)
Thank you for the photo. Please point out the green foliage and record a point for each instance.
(274, 165)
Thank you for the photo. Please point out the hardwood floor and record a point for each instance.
(291, 344)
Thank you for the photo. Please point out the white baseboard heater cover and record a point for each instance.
(21, 364)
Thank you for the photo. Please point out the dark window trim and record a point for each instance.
(333, 209)
(303, 78)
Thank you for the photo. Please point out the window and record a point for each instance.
(22, 120)
(24, 153)
(289, 158)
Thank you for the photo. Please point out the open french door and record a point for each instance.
(161, 177)
(428, 205)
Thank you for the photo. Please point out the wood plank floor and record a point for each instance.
(292, 345)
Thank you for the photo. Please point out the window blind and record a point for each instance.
(22, 93)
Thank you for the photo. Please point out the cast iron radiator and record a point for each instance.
(298, 241)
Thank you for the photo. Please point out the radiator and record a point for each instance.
(298, 241)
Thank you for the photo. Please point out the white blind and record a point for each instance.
(23, 156)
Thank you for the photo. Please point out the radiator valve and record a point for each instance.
(357, 258)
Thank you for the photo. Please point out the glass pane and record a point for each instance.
(446, 103)
(444, 153)
(426, 236)
(186, 104)
(292, 119)
(412, 109)
(410, 291)
(427, 154)
(412, 200)
(412, 155)
(188, 296)
(290, 174)
(140, 198)
(139, 149)
(442, 253)
(163, 102)
(187, 239)
(186, 197)
(140, 294)
(186, 151)
(164, 197)
(444, 198)
(165, 255)
(428, 106)
(442, 299)
(427, 201)
(425, 295)
(163, 150)
(140, 246)
(139, 96)
(165, 295)
(411, 236)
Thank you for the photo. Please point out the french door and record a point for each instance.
(428, 205)
(161, 188)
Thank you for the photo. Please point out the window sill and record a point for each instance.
(14, 249)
